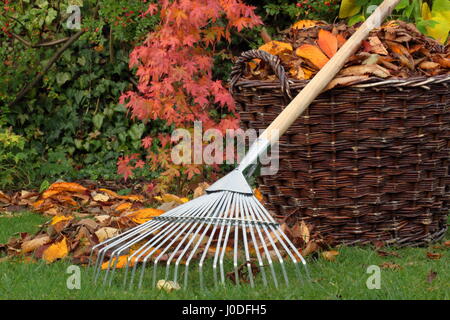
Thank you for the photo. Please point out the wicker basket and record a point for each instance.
(364, 163)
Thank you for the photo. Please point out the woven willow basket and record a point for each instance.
(364, 163)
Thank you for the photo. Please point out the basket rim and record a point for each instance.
(414, 82)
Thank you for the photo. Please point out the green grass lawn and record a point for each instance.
(344, 278)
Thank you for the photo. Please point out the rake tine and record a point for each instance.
(254, 242)
(225, 241)
(269, 236)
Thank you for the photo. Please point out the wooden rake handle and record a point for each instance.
(299, 104)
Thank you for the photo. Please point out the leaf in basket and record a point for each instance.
(428, 65)
(276, 47)
(373, 69)
(341, 40)
(444, 62)
(313, 54)
(302, 24)
(402, 54)
(327, 42)
(377, 46)
(345, 81)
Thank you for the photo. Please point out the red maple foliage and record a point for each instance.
(174, 67)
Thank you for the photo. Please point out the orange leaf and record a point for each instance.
(144, 215)
(301, 24)
(258, 195)
(276, 47)
(313, 54)
(67, 186)
(56, 251)
(327, 42)
(123, 206)
(121, 262)
(341, 40)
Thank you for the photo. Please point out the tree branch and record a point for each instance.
(39, 45)
(39, 76)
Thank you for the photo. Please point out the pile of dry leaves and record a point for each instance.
(82, 218)
(395, 50)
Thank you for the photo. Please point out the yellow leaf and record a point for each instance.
(276, 47)
(348, 8)
(426, 12)
(172, 198)
(67, 186)
(59, 218)
(167, 286)
(327, 42)
(330, 255)
(56, 251)
(144, 215)
(302, 24)
(313, 54)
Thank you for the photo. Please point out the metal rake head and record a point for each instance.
(222, 229)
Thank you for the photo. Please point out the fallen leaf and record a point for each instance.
(258, 195)
(387, 254)
(31, 245)
(313, 54)
(200, 190)
(327, 42)
(124, 206)
(390, 265)
(106, 233)
(167, 286)
(144, 215)
(102, 218)
(120, 262)
(171, 197)
(311, 247)
(56, 251)
(341, 40)
(447, 243)
(4, 198)
(330, 255)
(100, 197)
(59, 218)
(431, 276)
(434, 256)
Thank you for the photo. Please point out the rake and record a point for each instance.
(228, 226)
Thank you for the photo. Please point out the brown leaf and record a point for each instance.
(31, 245)
(434, 256)
(366, 69)
(390, 265)
(377, 46)
(387, 254)
(431, 276)
(311, 247)
(200, 190)
(327, 42)
(447, 243)
(345, 81)
(428, 65)
(4, 198)
(106, 233)
(313, 54)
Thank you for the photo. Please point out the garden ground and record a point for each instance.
(409, 274)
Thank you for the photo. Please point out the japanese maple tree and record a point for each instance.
(174, 66)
